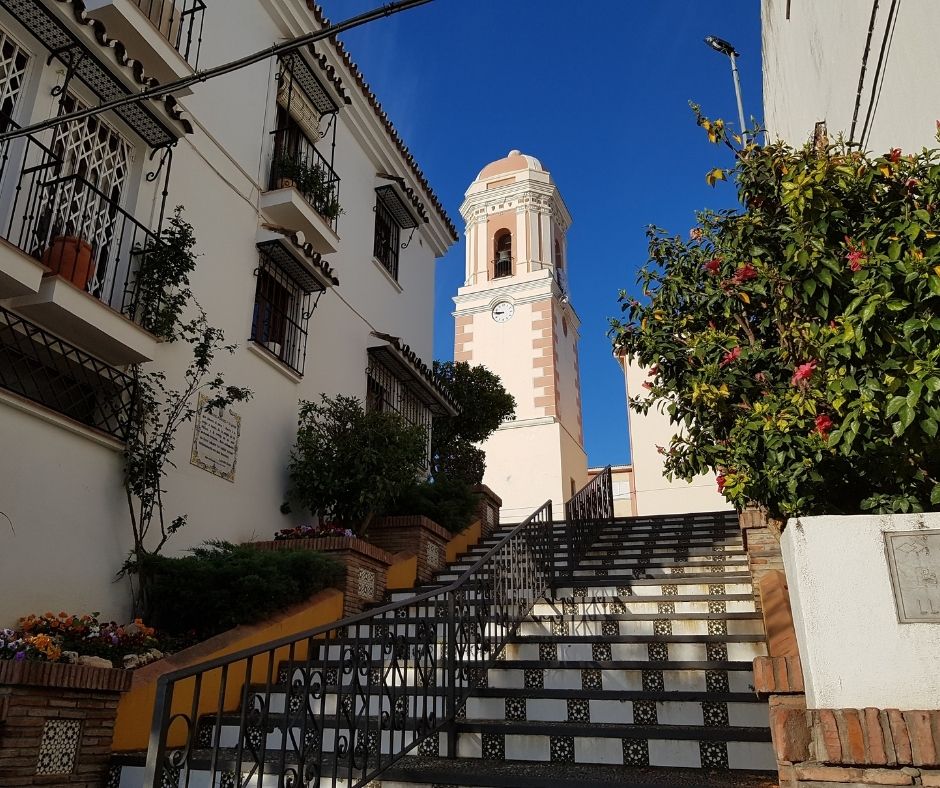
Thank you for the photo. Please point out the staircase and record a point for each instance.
(636, 671)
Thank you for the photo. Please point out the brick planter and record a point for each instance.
(57, 722)
(487, 509)
(762, 541)
(418, 535)
(366, 566)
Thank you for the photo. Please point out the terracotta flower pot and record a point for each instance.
(70, 258)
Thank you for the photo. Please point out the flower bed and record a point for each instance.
(366, 565)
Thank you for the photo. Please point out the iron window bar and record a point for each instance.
(180, 22)
(58, 217)
(297, 163)
(44, 369)
(387, 239)
(586, 513)
(282, 309)
(386, 392)
(353, 697)
(502, 266)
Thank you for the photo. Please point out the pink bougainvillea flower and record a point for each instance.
(661, 449)
(745, 273)
(654, 370)
(803, 372)
(713, 265)
(730, 357)
(895, 155)
(647, 385)
(855, 259)
(823, 425)
(721, 483)
(761, 377)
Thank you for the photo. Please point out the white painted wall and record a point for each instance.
(812, 63)
(854, 652)
(655, 494)
(63, 490)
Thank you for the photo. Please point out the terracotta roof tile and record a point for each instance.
(324, 21)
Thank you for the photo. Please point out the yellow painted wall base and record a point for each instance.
(135, 712)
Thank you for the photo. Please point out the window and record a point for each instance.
(502, 263)
(13, 64)
(387, 239)
(385, 393)
(281, 314)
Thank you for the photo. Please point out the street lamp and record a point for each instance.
(725, 48)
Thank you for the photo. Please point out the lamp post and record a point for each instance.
(725, 48)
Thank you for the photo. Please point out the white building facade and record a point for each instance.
(514, 316)
(325, 285)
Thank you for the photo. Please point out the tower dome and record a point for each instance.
(513, 162)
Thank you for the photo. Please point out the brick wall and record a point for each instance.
(488, 506)
(422, 537)
(57, 722)
(762, 542)
(366, 567)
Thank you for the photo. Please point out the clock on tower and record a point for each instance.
(514, 316)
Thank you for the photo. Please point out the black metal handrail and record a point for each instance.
(347, 700)
(586, 513)
(296, 162)
(40, 367)
(180, 22)
(76, 229)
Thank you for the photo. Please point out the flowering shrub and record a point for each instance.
(48, 637)
(795, 342)
(312, 532)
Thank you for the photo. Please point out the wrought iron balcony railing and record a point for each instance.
(179, 22)
(588, 511)
(80, 232)
(42, 368)
(345, 701)
(299, 164)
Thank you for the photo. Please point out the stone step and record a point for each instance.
(428, 772)
(692, 746)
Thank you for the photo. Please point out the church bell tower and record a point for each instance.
(514, 316)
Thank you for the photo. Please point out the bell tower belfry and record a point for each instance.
(514, 316)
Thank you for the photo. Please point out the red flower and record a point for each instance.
(911, 184)
(721, 483)
(823, 425)
(855, 260)
(730, 357)
(712, 265)
(745, 273)
(647, 385)
(654, 370)
(803, 372)
(895, 155)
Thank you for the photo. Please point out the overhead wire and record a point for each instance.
(879, 78)
(864, 68)
(166, 89)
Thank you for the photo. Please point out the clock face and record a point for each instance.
(503, 311)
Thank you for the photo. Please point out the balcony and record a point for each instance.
(39, 368)
(165, 35)
(303, 191)
(92, 252)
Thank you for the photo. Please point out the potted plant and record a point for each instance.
(794, 344)
(70, 257)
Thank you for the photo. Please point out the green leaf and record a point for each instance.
(895, 405)
(935, 495)
(929, 426)
(809, 287)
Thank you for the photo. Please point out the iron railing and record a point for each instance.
(345, 701)
(42, 368)
(64, 220)
(588, 511)
(281, 315)
(502, 267)
(180, 22)
(298, 163)
(387, 239)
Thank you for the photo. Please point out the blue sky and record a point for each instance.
(597, 90)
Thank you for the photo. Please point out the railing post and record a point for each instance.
(156, 749)
(451, 702)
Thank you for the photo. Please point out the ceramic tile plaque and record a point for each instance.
(914, 561)
(215, 440)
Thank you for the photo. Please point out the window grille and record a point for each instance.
(387, 239)
(385, 393)
(14, 62)
(281, 314)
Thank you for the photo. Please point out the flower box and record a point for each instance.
(57, 722)
(366, 566)
(413, 534)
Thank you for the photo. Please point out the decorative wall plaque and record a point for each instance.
(914, 561)
(215, 439)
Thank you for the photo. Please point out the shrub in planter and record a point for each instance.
(451, 503)
(795, 342)
(349, 464)
(221, 585)
(313, 532)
